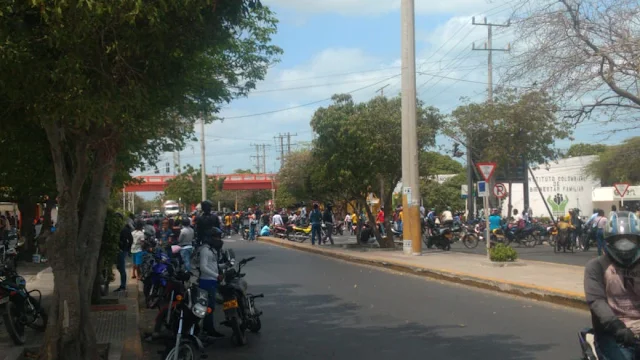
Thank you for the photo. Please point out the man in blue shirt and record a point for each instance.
(315, 218)
(495, 221)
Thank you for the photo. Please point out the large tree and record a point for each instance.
(515, 126)
(584, 52)
(104, 79)
(618, 163)
(360, 143)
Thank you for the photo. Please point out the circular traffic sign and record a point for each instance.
(499, 190)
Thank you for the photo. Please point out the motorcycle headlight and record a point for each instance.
(199, 310)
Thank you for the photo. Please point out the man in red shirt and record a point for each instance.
(380, 220)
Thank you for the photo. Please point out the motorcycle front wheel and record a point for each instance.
(255, 325)
(15, 327)
(470, 241)
(186, 351)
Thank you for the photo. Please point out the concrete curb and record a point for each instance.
(530, 291)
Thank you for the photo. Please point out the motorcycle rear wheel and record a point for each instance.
(15, 328)
(42, 319)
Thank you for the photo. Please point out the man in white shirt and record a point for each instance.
(277, 220)
(447, 217)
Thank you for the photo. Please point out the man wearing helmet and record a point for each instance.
(609, 284)
(210, 236)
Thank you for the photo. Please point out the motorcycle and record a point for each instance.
(185, 315)
(22, 309)
(279, 231)
(238, 305)
(441, 237)
(8, 250)
(468, 236)
(297, 233)
(157, 281)
(506, 235)
(338, 228)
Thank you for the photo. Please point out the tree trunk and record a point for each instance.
(74, 250)
(27, 209)
(383, 242)
(96, 291)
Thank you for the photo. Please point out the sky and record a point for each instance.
(353, 46)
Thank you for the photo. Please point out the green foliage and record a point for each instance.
(242, 171)
(582, 149)
(284, 199)
(618, 163)
(514, 125)
(357, 144)
(187, 186)
(302, 177)
(502, 253)
(433, 163)
(442, 195)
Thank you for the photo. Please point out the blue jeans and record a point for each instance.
(399, 223)
(122, 255)
(185, 254)
(211, 286)
(316, 229)
(609, 349)
(252, 232)
(600, 241)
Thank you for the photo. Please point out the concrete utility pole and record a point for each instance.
(264, 157)
(203, 167)
(410, 181)
(124, 198)
(289, 135)
(487, 47)
(281, 138)
(218, 167)
(176, 163)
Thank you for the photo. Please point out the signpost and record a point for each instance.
(486, 170)
(621, 189)
(499, 190)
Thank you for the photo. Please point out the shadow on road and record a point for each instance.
(321, 326)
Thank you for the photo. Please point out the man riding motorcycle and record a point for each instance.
(609, 284)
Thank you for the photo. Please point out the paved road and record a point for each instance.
(539, 253)
(319, 308)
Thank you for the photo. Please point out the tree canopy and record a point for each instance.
(516, 124)
(106, 80)
(580, 52)
(618, 163)
(583, 149)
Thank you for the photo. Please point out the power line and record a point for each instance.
(308, 104)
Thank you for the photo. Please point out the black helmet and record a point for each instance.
(206, 206)
(186, 221)
(138, 224)
(622, 235)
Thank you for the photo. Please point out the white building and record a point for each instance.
(564, 184)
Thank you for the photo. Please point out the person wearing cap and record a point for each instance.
(609, 286)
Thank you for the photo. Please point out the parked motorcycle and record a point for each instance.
(157, 281)
(338, 228)
(279, 231)
(185, 314)
(297, 233)
(238, 304)
(9, 251)
(441, 237)
(506, 235)
(22, 309)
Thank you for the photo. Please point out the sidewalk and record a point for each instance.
(115, 323)
(556, 283)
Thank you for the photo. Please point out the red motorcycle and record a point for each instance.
(279, 231)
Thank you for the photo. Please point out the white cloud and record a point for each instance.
(377, 7)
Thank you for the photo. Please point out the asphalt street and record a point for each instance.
(320, 308)
(542, 252)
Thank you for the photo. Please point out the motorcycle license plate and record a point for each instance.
(232, 304)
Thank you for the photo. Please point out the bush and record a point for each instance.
(502, 253)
